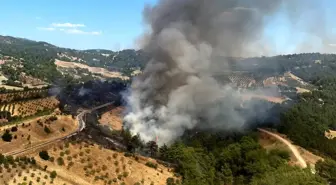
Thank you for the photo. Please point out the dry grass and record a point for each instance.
(92, 164)
(95, 70)
(331, 134)
(33, 133)
(31, 107)
(273, 99)
(113, 118)
(26, 173)
(302, 90)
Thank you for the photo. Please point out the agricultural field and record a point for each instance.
(30, 107)
(87, 163)
(24, 170)
(23, 95)
(35, 132)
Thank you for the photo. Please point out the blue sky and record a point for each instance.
(110, 24)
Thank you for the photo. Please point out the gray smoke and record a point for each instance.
(188, 41)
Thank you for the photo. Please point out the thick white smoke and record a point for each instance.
(187, 41)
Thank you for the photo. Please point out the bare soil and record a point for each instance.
(331, 134)
(269, 142)
(96, 70)
(92, 164)
(273, 99)
(302, 90)
(113, 118)
(33, 132)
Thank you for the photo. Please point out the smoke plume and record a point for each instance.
(189, 41)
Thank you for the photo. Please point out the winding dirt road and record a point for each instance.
(294, 150)
(81, 126)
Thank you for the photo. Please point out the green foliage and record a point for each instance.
(327, 169)
(306, 122)
(53, 174)
(151, 165)
(212, 160)
(288, 176)
(7, 136)
(47, 130)
(44, 155)
(60, 161)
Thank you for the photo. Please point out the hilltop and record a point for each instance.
(27, 63)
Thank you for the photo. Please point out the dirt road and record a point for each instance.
(81, 126)
(294, 150)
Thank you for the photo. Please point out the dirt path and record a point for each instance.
(294, 150)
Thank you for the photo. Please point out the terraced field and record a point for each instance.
(17, 96)
(30, 107)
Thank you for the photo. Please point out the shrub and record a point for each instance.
(104, 167)
(47, 130)
(116, 163)
(120, 176)
(44, 155)
(52, 159)
(14, 129)
(53, 174)
(60, 161)
(151, 165)
(170, 181)
(67, 152)
(7, 137)
(127, 154)
(125, 174)
(115, 155)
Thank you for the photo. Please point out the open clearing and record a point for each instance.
(302, 90)
(113, 118)
(95, 70)
(38, 131)
(273, 99)
(331, 134)
(269, 142)
(85, 164)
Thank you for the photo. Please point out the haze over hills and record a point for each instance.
(37, 59)
(75, 81)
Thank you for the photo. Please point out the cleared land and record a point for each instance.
(273, 99)
(41, 130)
(331, 134)
(25, 171)
(87, 163)
(95, 70)
(113, 118)
(302, 90)
(270, 142)
(30, 107)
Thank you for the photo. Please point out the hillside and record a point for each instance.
(27, 63)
